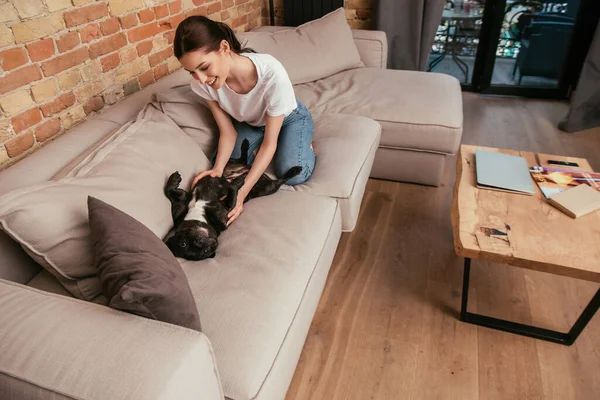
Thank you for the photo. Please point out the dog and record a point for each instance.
(199, 216)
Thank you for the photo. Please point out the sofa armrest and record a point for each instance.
(55, 347)
(372, 47)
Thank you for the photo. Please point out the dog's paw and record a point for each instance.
(174, 179)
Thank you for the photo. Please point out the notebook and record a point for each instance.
(577, 201)
(498, 171)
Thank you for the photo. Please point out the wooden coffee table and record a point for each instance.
(522, 231)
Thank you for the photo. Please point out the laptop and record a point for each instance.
(498, 171)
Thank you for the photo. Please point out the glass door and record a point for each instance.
(514, 47)
(457, 40)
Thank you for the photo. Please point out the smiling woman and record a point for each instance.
(251, 97)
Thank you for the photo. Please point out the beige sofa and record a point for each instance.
(257, 298)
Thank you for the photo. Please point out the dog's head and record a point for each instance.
(193, 240)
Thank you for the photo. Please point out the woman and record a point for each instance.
(251, 97)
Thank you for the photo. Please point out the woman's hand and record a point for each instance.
(239, 207)
(215, 173)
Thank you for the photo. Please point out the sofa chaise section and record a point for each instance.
(420, 113)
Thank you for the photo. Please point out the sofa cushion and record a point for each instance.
(129, 107)
(138, 272)
(249, 294)
(191, 113)
(345, 146)
(312, 51)
(427, 116)
(50, 219)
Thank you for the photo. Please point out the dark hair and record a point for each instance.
(198, 32)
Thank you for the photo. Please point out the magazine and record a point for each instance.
(555, 180)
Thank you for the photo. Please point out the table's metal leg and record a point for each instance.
(438, 60)
(433, 63)
(584, 318)
(465, 290)
(462, 66)
(523, 329)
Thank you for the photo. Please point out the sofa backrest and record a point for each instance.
(46, 162)
(371, 45)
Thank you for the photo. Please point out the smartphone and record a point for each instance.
(564, 163)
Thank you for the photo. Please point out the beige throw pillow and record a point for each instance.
(312, 51)
(50, 220)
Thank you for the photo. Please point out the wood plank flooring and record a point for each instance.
(387, 324)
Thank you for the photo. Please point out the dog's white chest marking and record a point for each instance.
(196, 211)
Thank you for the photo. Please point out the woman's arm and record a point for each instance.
(261, 162)
(227, 135)
(227, 138)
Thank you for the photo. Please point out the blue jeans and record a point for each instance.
(293, 145)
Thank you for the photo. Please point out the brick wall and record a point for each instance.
(359, 13)
(61, 60)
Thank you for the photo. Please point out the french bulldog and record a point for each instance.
(200, 215)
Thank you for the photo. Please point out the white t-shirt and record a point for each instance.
(272, 95)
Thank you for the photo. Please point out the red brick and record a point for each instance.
(40, 50)
(175, 7)
(128, 21)
(26, 119)
(109, 26)
(67, 42)
(144, 48)
(213, 8)
(146, 78)
(160, 71)
(198, 2)
(161, 11)
(108, 45)
(19, 145)
(239, 21)
(170, 36)
(85, 14)
(228, 3)
(146, 15)
(47, 130)
(95, 104)
(225, 15)
(143, 32)
(160, 56)
(109, 62)
(13, 58)
(67, 60)
(19, 77)
(89, 33)
(59, 104)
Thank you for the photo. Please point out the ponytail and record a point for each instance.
(233, 41)
(198, 32)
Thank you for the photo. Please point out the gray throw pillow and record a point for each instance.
(139, 274)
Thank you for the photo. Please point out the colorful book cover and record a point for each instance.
(555, 180)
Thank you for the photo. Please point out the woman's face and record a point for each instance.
(208, 68)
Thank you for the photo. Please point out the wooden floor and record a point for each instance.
(387, 324)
